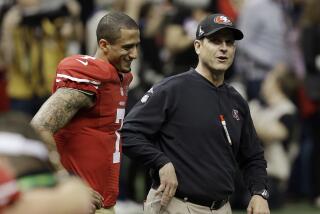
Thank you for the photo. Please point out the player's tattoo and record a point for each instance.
(59, 109)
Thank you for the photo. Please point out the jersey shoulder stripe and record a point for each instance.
(79, 80)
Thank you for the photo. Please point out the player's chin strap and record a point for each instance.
(16, 144)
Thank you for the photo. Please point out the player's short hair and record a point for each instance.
(110, 25)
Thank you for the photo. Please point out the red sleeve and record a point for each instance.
(80, 72)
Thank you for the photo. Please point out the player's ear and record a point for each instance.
(104, 45)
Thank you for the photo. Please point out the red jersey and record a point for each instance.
(89, 145)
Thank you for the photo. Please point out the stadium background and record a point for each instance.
(36, 34)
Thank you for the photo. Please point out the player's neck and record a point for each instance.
(100, 55)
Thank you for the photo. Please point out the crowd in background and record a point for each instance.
(277, 69)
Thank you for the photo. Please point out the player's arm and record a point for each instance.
(58, 110)
(55, 113)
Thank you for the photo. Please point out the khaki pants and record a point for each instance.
(177, 206)
(105, 211)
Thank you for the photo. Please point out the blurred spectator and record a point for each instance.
(230, 8)
(151, 20)
(35, 36)
(4, 101)
(41, 191)
(178, 51)
(264, 45)
(310, 94)
(276, 122)
(87, 9)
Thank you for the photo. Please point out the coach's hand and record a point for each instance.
(168, 183)
(258, 205)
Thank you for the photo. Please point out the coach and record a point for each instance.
(193, 130)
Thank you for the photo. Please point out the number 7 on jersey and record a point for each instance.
(119, 119)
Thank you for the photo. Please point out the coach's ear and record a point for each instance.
(197, 45)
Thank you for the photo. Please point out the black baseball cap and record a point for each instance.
(214, 23)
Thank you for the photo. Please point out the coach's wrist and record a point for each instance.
(161, 162)
(263, 193)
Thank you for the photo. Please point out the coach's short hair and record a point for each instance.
(110, 25)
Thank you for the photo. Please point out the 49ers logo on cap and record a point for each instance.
(222, 20)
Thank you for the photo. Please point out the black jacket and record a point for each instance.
(178, 121)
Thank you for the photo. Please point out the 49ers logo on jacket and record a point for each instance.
(222, 20)
(235, 114)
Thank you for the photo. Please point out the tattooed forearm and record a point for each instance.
(59, 109)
